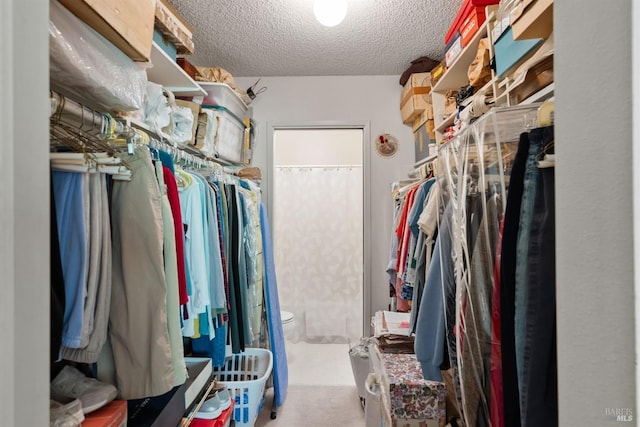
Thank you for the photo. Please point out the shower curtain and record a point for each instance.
(318, 245)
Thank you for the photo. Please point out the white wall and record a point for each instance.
(346, 100)
(24, 214)
(318, 147)
(594, 215)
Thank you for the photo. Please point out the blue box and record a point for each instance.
(510, 52)
(166, 45)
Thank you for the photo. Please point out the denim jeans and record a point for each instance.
(507, 284)
(538, 397)
(530, 187)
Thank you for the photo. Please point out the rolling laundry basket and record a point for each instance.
(245, 375)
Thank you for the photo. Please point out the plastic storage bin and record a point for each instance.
(223, 135)
(359, 357)
(245, 376)
(372, 411)
(222, 95)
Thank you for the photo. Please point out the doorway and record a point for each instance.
(318, 220)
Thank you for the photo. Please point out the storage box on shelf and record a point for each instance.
(173, 27)
(165, 44)
(415, 97)
(424, 137)
(221, 94)
(532, 19)
(455, 77)
(128, 24)
(472, 24)
(468, 7)
(453, 50)
(539, 77)
(509, 52)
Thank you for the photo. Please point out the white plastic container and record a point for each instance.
(245, 376)
(223, 135)
(222, 95)
(373, 415)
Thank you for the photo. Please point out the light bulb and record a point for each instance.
(330, 12)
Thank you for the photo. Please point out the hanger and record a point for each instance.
(252, 92)
(546, 159)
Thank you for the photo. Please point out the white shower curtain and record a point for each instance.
(318, 245)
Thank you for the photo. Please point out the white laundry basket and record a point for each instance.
(245, 376)
(372, 411)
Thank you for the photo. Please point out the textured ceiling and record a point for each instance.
(282, 37)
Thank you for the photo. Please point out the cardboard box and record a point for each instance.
(174, 27)
(532, 19)
(427, 114)
(165, 44)
(509, 52)
(464, 11)
(538, 77)
(415, 97)
(166, 410)
(472, 24)
(113, 414)
(128, 24)
(423, 136)
(188, 67)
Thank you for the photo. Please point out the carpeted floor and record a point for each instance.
(315, 406)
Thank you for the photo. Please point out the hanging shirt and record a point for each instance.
(193, 217)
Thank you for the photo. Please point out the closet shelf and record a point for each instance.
(167, 72)
(447, 122)
(456, 75)
(542, 95)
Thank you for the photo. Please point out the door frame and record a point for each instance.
(365, 126)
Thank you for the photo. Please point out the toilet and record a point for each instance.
(288, 325)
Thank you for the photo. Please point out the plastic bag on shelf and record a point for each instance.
(88, 68)
(208, 149)
(157, 112)
(182, 132)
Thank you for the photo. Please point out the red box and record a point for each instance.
(464, 11)
(472, 24)
(224, 420)
(112, 415)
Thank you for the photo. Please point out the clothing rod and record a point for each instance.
(425, 160)
(77, 115)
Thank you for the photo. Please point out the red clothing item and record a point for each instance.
(496, 406)
(174, 201)
(404, 234)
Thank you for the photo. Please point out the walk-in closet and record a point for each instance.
(319, 212)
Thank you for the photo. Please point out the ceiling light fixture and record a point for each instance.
(330, 12)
